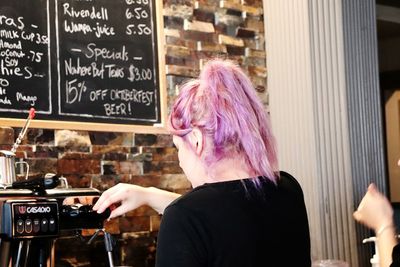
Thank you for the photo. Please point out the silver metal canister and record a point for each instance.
(7, 168)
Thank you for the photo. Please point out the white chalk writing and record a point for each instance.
(26, 98)
(92, 13)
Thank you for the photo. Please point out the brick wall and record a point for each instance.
(195, 31)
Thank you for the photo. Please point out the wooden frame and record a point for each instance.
(158, 128)
(392, 116)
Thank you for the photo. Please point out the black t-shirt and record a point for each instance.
(233, 224)
(396, 256)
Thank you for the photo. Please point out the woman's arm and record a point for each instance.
(386, 242)
(131, 196)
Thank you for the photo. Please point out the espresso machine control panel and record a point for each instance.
(29, 218)
(33, 214)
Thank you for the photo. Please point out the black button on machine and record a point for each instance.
(36, 225)
(44, 225)
(52, 225)
(20, 226)
(28, 226)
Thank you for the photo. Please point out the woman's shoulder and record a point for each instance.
(198, 195)
(288, 182)
(209, 196)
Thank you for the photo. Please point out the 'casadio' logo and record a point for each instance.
(38, 209)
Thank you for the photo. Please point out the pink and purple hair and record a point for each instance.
(224, 105)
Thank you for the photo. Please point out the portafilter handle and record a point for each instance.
(79, 216)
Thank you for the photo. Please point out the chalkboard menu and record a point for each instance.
(82, 64)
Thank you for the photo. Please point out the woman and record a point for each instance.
(241, 211)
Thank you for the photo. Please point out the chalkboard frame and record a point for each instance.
(157, 128)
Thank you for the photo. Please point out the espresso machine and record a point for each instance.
(35, 212)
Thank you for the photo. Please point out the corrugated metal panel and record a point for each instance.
(365, 118)
(291, 103)
(325, 110)
(332, 128)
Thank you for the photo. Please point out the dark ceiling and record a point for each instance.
(394, 3)
(388, 29)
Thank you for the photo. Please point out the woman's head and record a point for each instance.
(222, 104)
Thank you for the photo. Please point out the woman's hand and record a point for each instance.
(374, 210)
(131, 196)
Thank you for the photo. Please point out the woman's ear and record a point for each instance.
(197, 140)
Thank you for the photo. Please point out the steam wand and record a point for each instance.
(108, 242)
(109, 247)
(24, 129)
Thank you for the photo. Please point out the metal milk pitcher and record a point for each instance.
(7, 168)
(7, 158)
